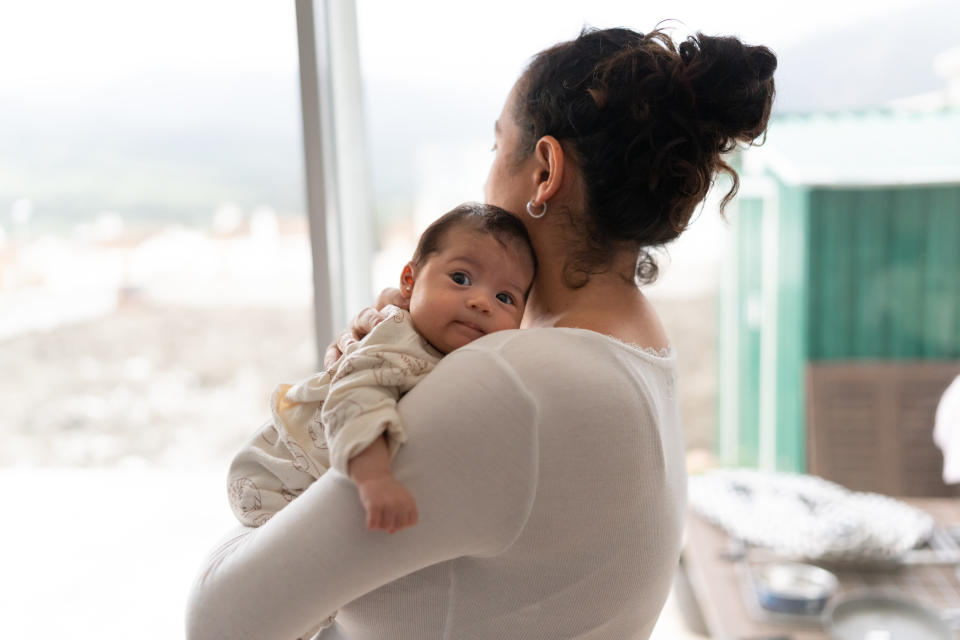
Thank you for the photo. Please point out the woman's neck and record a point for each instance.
(553, 304)
(609, 303)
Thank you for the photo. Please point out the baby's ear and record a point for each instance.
(407, 279)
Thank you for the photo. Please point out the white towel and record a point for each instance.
(946, 431)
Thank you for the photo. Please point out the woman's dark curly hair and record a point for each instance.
(647, 123)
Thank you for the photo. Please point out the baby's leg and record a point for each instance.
(269, 473)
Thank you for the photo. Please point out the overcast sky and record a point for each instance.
(64, 42)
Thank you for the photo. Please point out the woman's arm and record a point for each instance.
(470, 462)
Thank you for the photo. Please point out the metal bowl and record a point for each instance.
(875, 615)
(795, 588)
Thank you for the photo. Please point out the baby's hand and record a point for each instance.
(388, 504)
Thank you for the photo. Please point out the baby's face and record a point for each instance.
(472, 287)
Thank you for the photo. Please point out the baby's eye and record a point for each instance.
(460, 278)
(505, 298)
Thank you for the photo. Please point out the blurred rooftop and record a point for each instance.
(875, 147)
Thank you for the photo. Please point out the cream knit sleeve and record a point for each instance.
(471, 462)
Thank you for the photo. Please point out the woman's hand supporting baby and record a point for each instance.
(362, 324)
(388, 504)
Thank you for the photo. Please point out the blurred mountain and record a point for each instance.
(870, 63)
(154, 147)
(178, 146)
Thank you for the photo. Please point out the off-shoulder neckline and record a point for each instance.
(665, 355)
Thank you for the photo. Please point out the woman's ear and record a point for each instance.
(407, 279)
(550, 167)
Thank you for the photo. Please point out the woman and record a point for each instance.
(547, 462)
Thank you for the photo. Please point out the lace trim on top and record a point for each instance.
(666, 352)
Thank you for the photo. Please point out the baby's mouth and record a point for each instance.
(470, 325)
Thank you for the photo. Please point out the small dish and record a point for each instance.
(795, 588)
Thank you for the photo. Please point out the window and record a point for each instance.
(155, 284)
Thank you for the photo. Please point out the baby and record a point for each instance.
(470, 275)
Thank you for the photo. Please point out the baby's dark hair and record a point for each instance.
(647, 123)
(482, 218)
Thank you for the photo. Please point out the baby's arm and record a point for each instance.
(360, 420)
(388, 504)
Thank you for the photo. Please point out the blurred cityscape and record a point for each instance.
(156, 269)
(128, 347)
(155, 266)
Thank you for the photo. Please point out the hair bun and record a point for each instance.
(732, 83)
(688, 49)
(764, 61)
(648, 121)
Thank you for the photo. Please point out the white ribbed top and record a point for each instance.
(548, 469)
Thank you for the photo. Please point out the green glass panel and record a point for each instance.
(844, 221)
(791, 331)
(883, 273)
(871, 302)
(941, 326)
(749, 272)
(907, 268)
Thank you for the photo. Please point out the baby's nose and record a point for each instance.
(480, 302)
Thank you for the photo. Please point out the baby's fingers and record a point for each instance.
(400, 522)
(414, 515)
(374, 518)
(406, 517)
(331, 355)
(390, 520)
(345, 339)
(338, 347)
